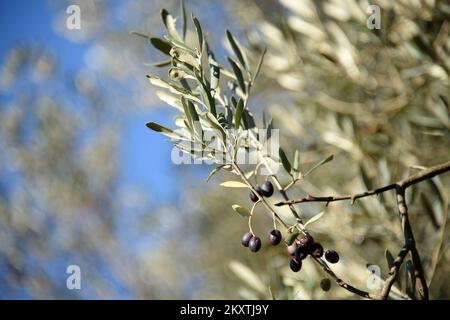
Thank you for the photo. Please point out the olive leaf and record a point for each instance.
(248, 276)
(233, 184)
(328, 159)
(284, 160)
(237, 49)
(183, 15)
(296, 165)
(429, 210)
(248, 120)
(314, 218)
(241, 210)
(170, 99)
(214, 171)
(238, 113)
(213, 67)
(258, 67)
(198, 28)
(163, 130)
(157, 81)
(140, 34)
(160, 64)
(184, 56)
(180, 45)
(390, 263)
(238, 73)
(269, 129)
(215, 124)
(365, 177)
(162, 45)
(169, 22)
(206, 94)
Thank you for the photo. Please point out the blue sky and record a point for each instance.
(144, 154)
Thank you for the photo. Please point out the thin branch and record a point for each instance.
(261, 199)
(393, 273)
(405, 183)
(328, 199)
(341, 282)
(410, 244)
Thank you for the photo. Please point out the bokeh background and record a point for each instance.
(84, 182)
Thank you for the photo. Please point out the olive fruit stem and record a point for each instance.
(250, 217)
(261, 199)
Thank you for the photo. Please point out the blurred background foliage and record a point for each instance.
(70, 184)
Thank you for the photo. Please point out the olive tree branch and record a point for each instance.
(405, 183)
(409, 243)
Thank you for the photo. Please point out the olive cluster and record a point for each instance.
(300, 249)
(254, 242)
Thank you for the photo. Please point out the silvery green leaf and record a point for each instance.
(183, 15)
(215, 124)
(296, 161)
(258, 67)
(214, 171)
(162, 45)
(269, 129)
(177, 74)
(429, 210)
(248, 276)
(328, 159)
(206, 94)
(314, 218)
(284, 160)
(238, 73)
(169, 22)
(241, 210)
(237, 49)
(163, 130)
(214, 70)
(169, 99)
(367, 181)
(190, 149)
(140, 34)
(180, 45)
(184, 56)
(160, 64)
(238, 113)
(438, 189)
(233, 184)
(173, 88)
(198, 28)
(188, 116)
(249, 121)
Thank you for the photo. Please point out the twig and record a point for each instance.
(405, 183)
